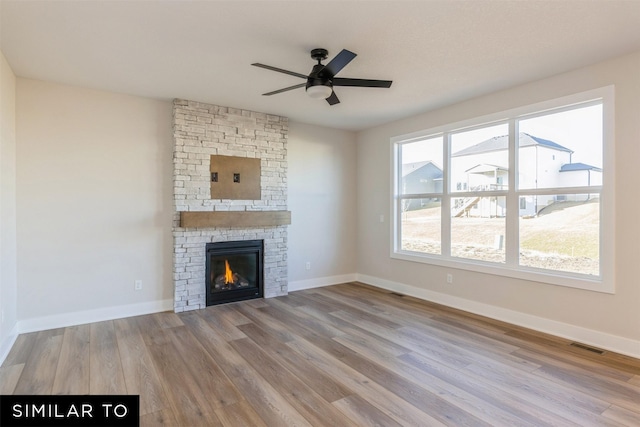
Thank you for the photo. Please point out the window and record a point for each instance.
(522, 196)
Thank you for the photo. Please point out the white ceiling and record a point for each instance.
(436, 52)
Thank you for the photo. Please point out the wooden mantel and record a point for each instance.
(234, 219)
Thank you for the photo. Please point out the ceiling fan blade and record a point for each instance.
(333, 99)
(284, 89)
(338, 63)
(280, 70)
(337, 81)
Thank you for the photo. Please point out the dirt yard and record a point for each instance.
(563, 237)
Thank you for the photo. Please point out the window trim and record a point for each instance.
(604, 283)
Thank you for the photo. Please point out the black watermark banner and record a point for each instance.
(69, 411)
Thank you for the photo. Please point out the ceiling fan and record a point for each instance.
(322, 79)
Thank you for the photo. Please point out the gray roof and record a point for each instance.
(499, 143)
(409, 168)
(579, 167)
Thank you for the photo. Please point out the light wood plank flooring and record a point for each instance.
(345, 355)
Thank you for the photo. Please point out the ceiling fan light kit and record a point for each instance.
(319, 91)
(321, 80)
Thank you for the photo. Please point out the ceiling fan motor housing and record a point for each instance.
(316, 78)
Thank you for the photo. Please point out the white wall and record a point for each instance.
(608, 320)
(322, 199)
(94, 200)
(8, 283)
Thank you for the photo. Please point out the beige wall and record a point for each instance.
(8, 283)
(94, 199)
(94, 176)
(616, 315)
(322, 199)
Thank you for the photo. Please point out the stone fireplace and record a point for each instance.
(201, 131)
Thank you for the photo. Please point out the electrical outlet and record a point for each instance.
(381, 218)
(137, 285)
(449, 278)
(307, 265)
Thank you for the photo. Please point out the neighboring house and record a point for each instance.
(543, 164)
(420, 178)
(581, 174)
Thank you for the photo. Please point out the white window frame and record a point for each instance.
(605, 282)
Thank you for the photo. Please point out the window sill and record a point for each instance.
(584, 282)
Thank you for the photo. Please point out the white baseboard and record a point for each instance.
(7, 343)
(576, 333)
(96, 315)
(598, 339)
(299, 285)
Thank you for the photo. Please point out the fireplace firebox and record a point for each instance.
(234, 271)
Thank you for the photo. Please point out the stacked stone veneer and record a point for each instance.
(200, 130)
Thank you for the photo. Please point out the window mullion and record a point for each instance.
(512, 237)
(445, 215)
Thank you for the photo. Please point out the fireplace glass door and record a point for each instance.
(234, 271)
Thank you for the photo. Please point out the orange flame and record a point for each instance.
(228, 274)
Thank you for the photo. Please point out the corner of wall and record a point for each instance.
(7, 343)
(8, 246)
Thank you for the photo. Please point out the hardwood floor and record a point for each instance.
(345, 355)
